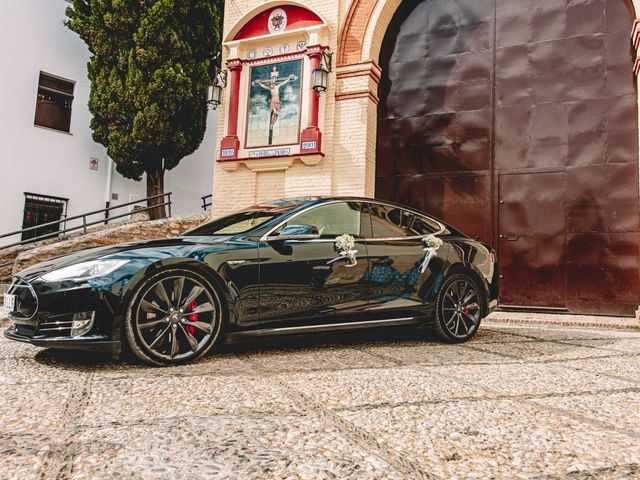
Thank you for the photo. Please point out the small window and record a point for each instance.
(393, 222)
(419, 225)
(53, 105)
(332, 219)
(40, 209)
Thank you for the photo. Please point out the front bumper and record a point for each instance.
(90, 342)
(45, 312)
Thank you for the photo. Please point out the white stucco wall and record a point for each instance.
(32, 159)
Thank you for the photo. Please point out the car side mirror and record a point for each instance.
(296, 232)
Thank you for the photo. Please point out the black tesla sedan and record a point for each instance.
(284, 267)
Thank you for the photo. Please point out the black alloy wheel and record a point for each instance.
(174, 318)
(459, 309)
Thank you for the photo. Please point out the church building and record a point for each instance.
(514, 120)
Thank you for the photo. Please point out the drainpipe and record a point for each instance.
(107, 192)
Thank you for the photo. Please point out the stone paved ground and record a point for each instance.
(517, 402)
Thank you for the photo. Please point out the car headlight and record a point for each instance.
(84, 271)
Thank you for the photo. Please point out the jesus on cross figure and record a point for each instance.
(274, 90)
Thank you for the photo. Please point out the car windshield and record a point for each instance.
(249, 219)
(236, 223)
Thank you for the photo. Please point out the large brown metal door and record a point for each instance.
(532, 239)
(532, 103)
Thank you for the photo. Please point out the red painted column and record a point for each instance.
(230, 144)
(314, 99)
(311, 136)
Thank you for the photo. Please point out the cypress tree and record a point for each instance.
(151, 62)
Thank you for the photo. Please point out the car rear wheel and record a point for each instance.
(458, 310)
(174, 318)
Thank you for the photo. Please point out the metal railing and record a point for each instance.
(206, 201)
(166, 202)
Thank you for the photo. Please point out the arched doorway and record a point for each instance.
(517, 121)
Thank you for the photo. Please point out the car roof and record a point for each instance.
(290, 206)
(294, 203)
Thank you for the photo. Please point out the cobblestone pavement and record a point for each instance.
(516, 402)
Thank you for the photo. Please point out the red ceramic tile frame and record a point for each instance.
(311, 133)
(311, 136)
(230, 144)
(270, 61)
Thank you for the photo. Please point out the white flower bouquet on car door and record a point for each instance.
(345, 245)
(431, 246)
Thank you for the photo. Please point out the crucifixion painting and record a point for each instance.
(273, 86)
(280, 105)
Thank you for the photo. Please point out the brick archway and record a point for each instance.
(363, 29)
(353, 30)
(366, 23)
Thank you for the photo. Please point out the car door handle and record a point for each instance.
(235, 263)
(510, 238)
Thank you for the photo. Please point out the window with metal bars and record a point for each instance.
(53, 105)
(41, 209)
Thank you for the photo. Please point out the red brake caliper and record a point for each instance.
(193, 317)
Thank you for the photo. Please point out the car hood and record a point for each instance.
(146, 251)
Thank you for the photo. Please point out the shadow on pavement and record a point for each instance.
(84, 360)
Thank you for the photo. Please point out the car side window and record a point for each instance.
(422, 225)
(332, 219)
(394, 222)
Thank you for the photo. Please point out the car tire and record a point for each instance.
(174, 317)
(459, 309)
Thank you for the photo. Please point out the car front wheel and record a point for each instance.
(174, 318)
(458, 310)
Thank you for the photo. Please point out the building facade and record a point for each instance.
(514, 120)
(50, 164)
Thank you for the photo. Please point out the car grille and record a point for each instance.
(45, 325)
(26, 301)
(55, 325)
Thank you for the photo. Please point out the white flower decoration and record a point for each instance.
(431, 241)
(431, 246)
(345, 244)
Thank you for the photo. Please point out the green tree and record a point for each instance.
(151, 62)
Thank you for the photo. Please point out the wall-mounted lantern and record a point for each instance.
(214, 92)
(321, 74)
